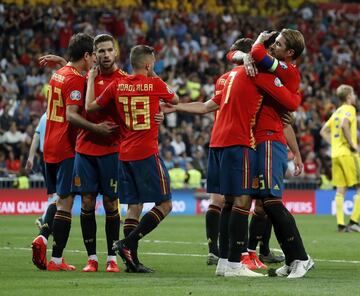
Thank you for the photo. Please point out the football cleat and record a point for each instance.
(245, 260)
(221, 267)
(271, 258)
(111, 266)
(254, 258)
(212, 259)
(39, 252)
(240, 270)
(140, 268)
(300, 267)
(353, 228)
(91, 266)
(125, 254)
(342, 228)
(283, 271)
(52, 266)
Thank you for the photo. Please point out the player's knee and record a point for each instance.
(243, 202)
(134, 211)
(217, 200)
(165, 207)
(88, 201)
(65, 203)
(110, 205)
(259, 208)
(342, 190)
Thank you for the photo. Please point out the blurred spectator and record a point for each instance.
(178, 144)
(191, 40)
(177, 177)
(22, 181)
(193, 178)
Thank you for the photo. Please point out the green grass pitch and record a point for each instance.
(177, 251)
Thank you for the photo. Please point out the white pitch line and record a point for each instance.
(172, 254)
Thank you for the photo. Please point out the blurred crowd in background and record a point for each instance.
(191, 39)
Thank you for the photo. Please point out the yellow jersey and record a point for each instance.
(339, 145)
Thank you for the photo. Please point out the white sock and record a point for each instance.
(111, 258)
(44, 239)
(93, 257)
(56, 260)
(234, 264)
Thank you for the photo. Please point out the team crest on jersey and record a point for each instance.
(101, 82)
(348, 114)
(255, 183)
(278, 82)
(77, 181)
(75, 95)
(283, 65)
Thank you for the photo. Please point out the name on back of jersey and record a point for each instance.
(136, 87)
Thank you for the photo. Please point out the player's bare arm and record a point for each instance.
(34, 145)
(294, 148)
(345, 126)
(325, 132)
(90, 102)
(51, 60)
(194, 108)
(103, 128)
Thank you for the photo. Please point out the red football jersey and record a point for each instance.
(137, 101)
(269, 124)
(66, 87)
(89, 143)
(219, 85)
(240, 103)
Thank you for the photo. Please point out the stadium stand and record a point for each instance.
(191, 39)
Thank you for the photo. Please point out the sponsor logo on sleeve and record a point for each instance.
(75, 95)
(278, 82)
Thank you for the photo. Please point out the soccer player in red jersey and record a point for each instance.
(65, 97)
(95, 168)
(142, 174)
(232, 160)
(271, 144)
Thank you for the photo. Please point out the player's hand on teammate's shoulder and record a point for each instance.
(51, 61)
(159, 117)
(106, 128)
(250, 66)
(167, 108)
(288, 118)
(264, 36)
(94, 71)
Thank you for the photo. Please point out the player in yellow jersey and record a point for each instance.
(340, 132)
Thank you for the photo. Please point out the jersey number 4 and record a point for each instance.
(133, 113)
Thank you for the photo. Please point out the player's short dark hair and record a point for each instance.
(294, 40)
(242, 44)
(102, 38)
(138, 53)
(79, 45)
